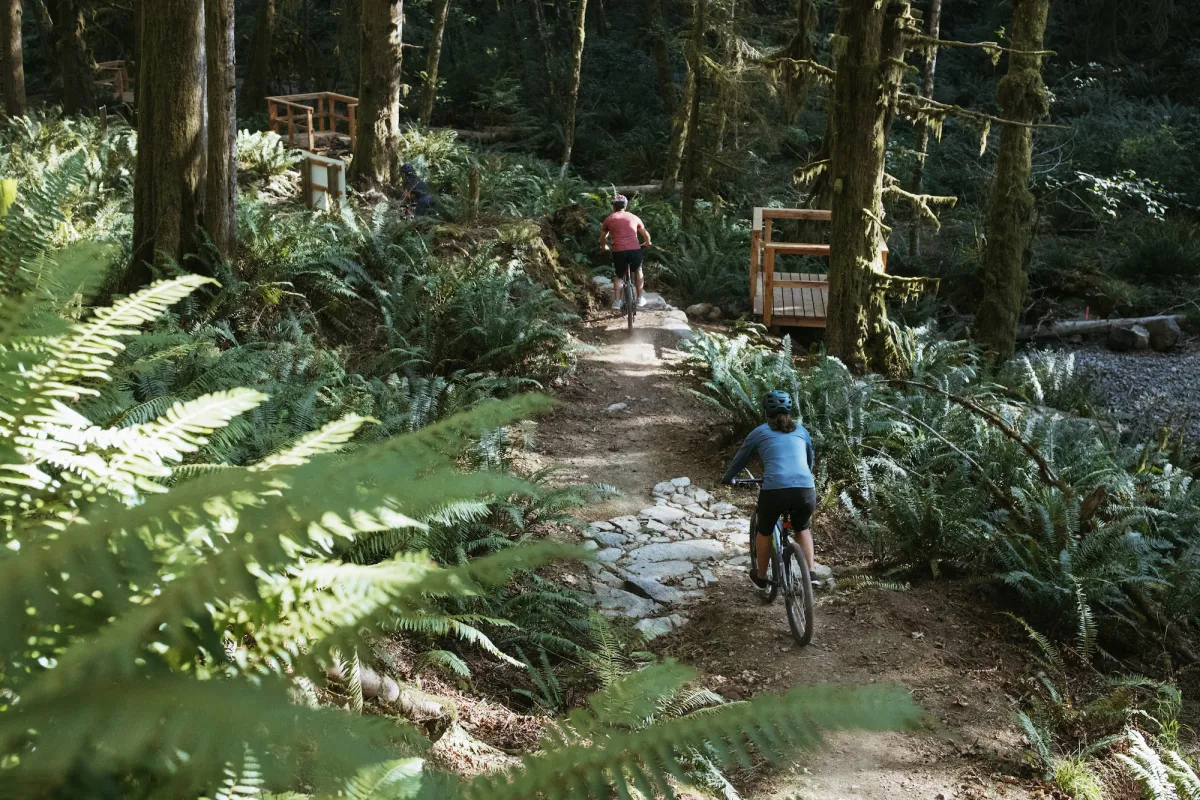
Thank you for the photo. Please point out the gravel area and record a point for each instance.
(1146, 390)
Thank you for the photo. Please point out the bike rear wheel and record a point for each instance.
(768, 594)
(630, 299)
(798, 593)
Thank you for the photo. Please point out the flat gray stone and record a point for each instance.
(616, 408)
(665, 488)
(708, 577)
(628, 524)
(680, 499)
(609, 578)
(663, 514)
(609, 554)
(690, 583)
(604, 526)
(821, 572)
(696, 550)
(655, 302)
(625, 603)
(651, 590)
(679, 483)
(702, 496)
(611, 539)
(660, 539)
(642, 538)
(660, 626)
(590, 545)
(738, 561)
(695, 509)
(723, 508)
(654, 525)
(660, 570)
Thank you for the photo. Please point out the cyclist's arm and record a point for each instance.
(742, 459)
(645, 234)
(604, 235)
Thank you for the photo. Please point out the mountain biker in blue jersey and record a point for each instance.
(788, 487)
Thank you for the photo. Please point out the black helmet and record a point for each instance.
(777, 402)
(620, 201)
(407, 169)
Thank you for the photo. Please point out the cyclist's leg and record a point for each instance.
(636, 266)
(618, 281)
(768, 514)
(802, 509)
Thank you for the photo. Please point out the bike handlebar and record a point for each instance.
(747, 482)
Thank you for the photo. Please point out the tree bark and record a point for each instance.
(79, 95)
(691, 172)
(168, 182)
(869, 57)
(662, 55)
(543, 39)
(1010, 219)
(797, 79)
(257, 85)
(220, 191)
(935, 24)
(577, 41)
(12, 58)
(381, 60)
(429, 94)
(685, 120)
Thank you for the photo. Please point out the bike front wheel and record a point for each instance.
(798, 593)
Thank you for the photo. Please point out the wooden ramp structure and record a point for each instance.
(789, 299)
(311, 121)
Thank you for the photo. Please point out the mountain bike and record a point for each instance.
(629, 297)
(788, 571)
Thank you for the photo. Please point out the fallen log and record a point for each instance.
(640, 187)
(1081, 327)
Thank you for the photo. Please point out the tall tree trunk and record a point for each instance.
(220, 191)
(869, 63)
(79, 96)
(685, 121)
(799, 80)
(12, 58)
(429, 94)
(662, 55)
(538, 17)
(258, 73)
(1010, 219)
(573, 87)
(379, 91)
(935, 24)
(691, 168)
(168, 182)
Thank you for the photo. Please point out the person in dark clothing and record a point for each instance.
(416, 191)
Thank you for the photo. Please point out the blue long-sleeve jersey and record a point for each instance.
(787, 458)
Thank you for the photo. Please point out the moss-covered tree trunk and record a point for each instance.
(168, 182)
(12, 58)
(79, 95)
(220, 193)
(1010, 219)
(662, 55)
(694, 155)
(798, 79)
(379, 91)
(869, 61)
(432, 59)
(578, 35)
(935, 25)
(685, 120)
(257, 85)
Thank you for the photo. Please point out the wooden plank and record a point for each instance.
(754, 250)
(768, 284)
(758, 220)
(801, 284)
(811, 214)
(799, 249)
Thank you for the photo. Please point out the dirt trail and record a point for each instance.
(957, 659)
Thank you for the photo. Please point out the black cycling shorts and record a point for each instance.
(774, 503)
(627, 258)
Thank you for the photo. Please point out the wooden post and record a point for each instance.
(351, 109)
(755, 241)
(291, 119)
(271, 116)
(312, 139)
(768, 283)
(335, 184)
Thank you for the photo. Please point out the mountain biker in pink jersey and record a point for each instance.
(627, 233)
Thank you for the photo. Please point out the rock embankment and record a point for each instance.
(1146, 390)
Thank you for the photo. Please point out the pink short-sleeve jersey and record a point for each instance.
(622, 227)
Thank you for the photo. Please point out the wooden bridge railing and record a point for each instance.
(313, 117)
(116, 76)
(810, 311)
